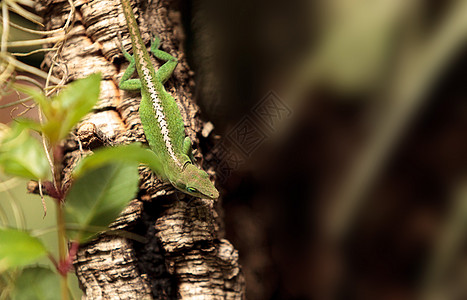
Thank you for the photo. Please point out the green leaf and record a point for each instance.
(29, 124)
(77, 100)
(68, 108)
(36, 94)
(21, 154)
(132, 153)
(97, 198)
(18, 248)
(39, 283)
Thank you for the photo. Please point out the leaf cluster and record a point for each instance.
(103, 183)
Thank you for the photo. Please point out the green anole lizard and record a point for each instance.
(160, 116)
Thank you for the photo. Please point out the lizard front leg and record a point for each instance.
(187, 148)
(166, 70)
(126, 83)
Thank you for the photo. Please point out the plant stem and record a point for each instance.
(61, 230)
(62, 249)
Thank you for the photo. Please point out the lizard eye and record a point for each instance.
(191, 190)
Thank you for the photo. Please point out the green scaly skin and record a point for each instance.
(160, 116)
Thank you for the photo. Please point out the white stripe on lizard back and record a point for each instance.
(159, 112)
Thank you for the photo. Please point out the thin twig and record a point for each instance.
(25, 14)
(7, 73)
(27, 68)
(42, 198)
(16, 102)
(29, 79)
(6, 28)
(28, 108)
(35, 42)
(39, 32)
(33, 52)
(28, 3)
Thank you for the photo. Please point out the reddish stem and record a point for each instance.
(65, 265)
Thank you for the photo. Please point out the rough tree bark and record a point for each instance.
(176, 248)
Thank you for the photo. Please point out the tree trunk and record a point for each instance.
(165, 247)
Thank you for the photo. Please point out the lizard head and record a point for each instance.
(195, 182)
